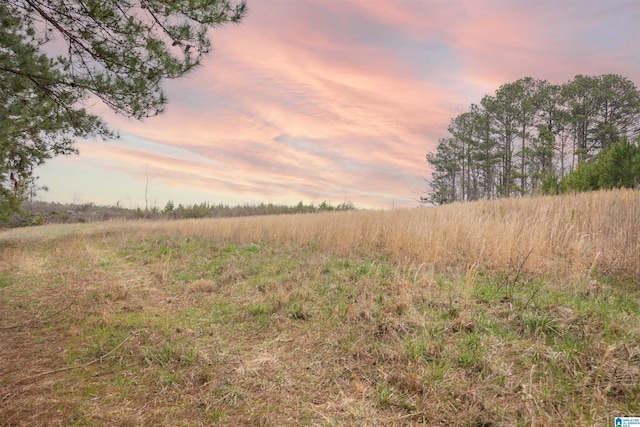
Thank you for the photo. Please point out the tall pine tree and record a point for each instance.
(525, 138)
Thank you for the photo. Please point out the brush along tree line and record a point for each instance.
(117, 51)
(534, 137)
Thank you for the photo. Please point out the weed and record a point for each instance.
(470, 352)
(249, 249)
(170, 353)
(262, 308)
(384, 395)
(539, 323)
(5, 281)
(297, 311)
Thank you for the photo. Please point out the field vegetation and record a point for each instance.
(34, 212)
(501, 312)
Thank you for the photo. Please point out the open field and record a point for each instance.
(509, 312)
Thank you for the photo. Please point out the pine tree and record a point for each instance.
(119, 51)
(525, 138)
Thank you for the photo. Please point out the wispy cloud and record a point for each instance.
(327, 100)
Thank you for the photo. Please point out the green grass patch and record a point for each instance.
(5, 281)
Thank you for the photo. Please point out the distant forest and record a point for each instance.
(534, 137)
(33, 213)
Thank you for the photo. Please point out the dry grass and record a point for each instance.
(511, 312)
(563, 236)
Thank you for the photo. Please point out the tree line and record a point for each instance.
(533, 137)
(36, 213)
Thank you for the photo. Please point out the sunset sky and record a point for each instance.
(339, 100)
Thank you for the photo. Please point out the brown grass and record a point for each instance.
(563, 236)
(511, 312)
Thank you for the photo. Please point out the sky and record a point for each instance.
(338, 100)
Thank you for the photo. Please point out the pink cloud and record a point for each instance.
(324, 99)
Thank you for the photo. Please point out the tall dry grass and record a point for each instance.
(562, 236)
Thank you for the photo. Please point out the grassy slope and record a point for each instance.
(492, 313)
